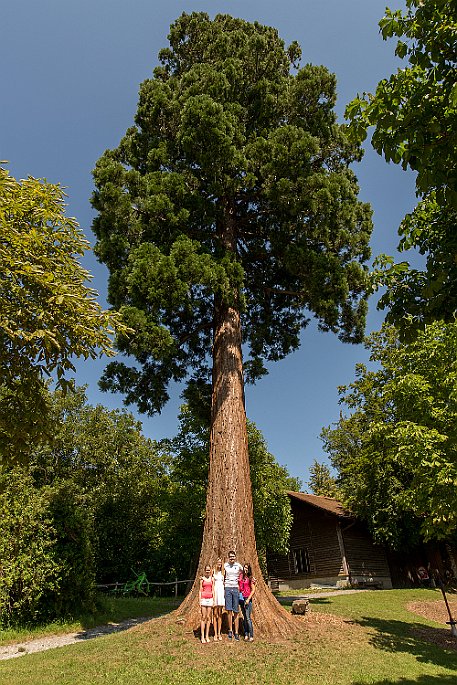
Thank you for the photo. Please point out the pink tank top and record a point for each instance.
(207, 588)
(245, 586)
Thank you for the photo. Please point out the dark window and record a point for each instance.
(301, 560)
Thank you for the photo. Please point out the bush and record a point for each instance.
(73, 527)
(44, 551)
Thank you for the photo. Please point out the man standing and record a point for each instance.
(232, 571)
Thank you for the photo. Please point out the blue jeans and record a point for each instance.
(232, 601)
(246, 608)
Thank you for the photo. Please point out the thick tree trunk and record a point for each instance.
(229, 520)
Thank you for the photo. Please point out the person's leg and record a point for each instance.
(228, 608)
(237, 621)
(208, 622)
(219, 623)
(236, 609)
(202, 624)
(231, 604)
(230, 624)
(215, 609)
(248, 609)
(243, 611)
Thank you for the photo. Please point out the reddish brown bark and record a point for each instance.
(229, 522)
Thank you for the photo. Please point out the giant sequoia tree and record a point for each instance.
(227, 216)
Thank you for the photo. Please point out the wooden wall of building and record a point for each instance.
(314, 531)
(364, 557)
(316, 544)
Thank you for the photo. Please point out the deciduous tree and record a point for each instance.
(48, 314)
(120, 479)
(229, 214)
(396, 452)
(321, 481)
(47, 569)
(414, 114)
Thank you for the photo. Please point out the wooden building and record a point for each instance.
(327, 547)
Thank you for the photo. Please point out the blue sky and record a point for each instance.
(69, 83)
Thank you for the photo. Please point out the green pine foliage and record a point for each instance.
(231, 138)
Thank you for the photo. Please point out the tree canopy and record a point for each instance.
(226, 134)
(48, 314)
(396, 453)
(414, 114)
(321, 482)
(119, 476)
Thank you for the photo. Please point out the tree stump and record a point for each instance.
(300, 606)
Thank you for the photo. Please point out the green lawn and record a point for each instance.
(109, 609)
(349, 640)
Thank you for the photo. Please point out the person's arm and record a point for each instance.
(252, 590)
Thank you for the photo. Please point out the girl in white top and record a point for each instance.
(219, 599)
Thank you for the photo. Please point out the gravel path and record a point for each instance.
(315, 595)
(41, 644)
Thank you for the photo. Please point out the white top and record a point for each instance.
(232, 572)
(219, 598)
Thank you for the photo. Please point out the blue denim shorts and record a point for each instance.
(232, 599)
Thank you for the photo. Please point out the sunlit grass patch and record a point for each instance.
(360, 639)
(109, 609)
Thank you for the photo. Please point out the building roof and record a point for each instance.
(328, 504)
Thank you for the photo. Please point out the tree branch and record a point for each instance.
(292, 293)
(204, 326)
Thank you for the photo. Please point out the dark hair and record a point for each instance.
(231, 552)
(249, 573)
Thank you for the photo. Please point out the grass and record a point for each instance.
(109, 609)
(360, 639)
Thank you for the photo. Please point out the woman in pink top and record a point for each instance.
(206, 602)
(247, 590)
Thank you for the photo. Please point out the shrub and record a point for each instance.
(45, 568)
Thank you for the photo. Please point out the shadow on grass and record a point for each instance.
(117, 610)
(287, 601)
(110, 628)
(421, 680)
(428, 644)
